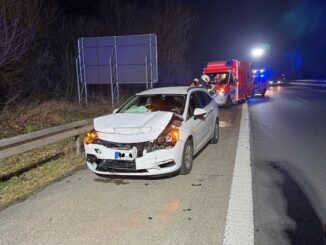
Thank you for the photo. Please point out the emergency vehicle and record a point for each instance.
(260, 83)
(231, 81)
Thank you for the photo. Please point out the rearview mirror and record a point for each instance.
(200, 112)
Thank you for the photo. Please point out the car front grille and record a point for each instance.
(117, 166)
(148, 146)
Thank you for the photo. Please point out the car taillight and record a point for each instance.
(90, 137)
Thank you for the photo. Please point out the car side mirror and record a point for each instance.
(115, 111)
(199, 112)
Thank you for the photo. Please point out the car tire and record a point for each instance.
(263, 93)
(216, 134)
(187, 157)
(228, 103)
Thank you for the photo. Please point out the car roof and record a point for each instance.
(169, 90)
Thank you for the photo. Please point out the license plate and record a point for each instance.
(126, 155)
(116, 155)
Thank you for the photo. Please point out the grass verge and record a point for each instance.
(23, 174)
(36, 178)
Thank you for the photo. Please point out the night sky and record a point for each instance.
(293, 31)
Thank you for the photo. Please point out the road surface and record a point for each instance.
(288, 138)
(287, 200)
(87, 209)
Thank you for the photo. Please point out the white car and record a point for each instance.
(156, 132)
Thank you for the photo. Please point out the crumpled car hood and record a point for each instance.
(132, 127)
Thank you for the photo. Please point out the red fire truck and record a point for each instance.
(231, 80)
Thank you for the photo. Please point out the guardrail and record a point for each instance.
(26, 142)
(309, 83)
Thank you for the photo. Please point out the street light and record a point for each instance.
(257, 52)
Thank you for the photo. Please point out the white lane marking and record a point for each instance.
(239, 228)
(298, 98)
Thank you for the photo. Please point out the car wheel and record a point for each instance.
(228, 103)
(187, 157)
(216, 133)
(263, 93)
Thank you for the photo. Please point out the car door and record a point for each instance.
(205, 103)
(198, 126)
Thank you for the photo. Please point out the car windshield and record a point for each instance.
(157, 102)
(219, 77)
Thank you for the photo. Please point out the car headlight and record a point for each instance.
(90, 137)
(168, 137)
(220, 91)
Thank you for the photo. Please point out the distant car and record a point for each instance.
(260, 86)
(275, 82)
(156, 132)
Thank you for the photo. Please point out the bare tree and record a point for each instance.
(172, 21)
(15, 39)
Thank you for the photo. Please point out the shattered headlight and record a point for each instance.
(170, 135)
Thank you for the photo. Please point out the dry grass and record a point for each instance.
(22, 186)
(31, 159)
(29, 117)
(35, 169)
(46, 169)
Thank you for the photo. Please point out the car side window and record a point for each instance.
(193, 104)
(202, 101)
(207, 97)
(232, 81)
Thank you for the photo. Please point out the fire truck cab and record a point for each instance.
(231, 81)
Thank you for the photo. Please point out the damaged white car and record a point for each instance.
(156, 132)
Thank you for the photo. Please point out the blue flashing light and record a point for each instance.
(262, 75)
(229, 63)
(205, 65)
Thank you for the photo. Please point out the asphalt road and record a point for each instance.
(86, 209)
(288, 141)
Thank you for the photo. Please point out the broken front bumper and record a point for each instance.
(105, 160)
